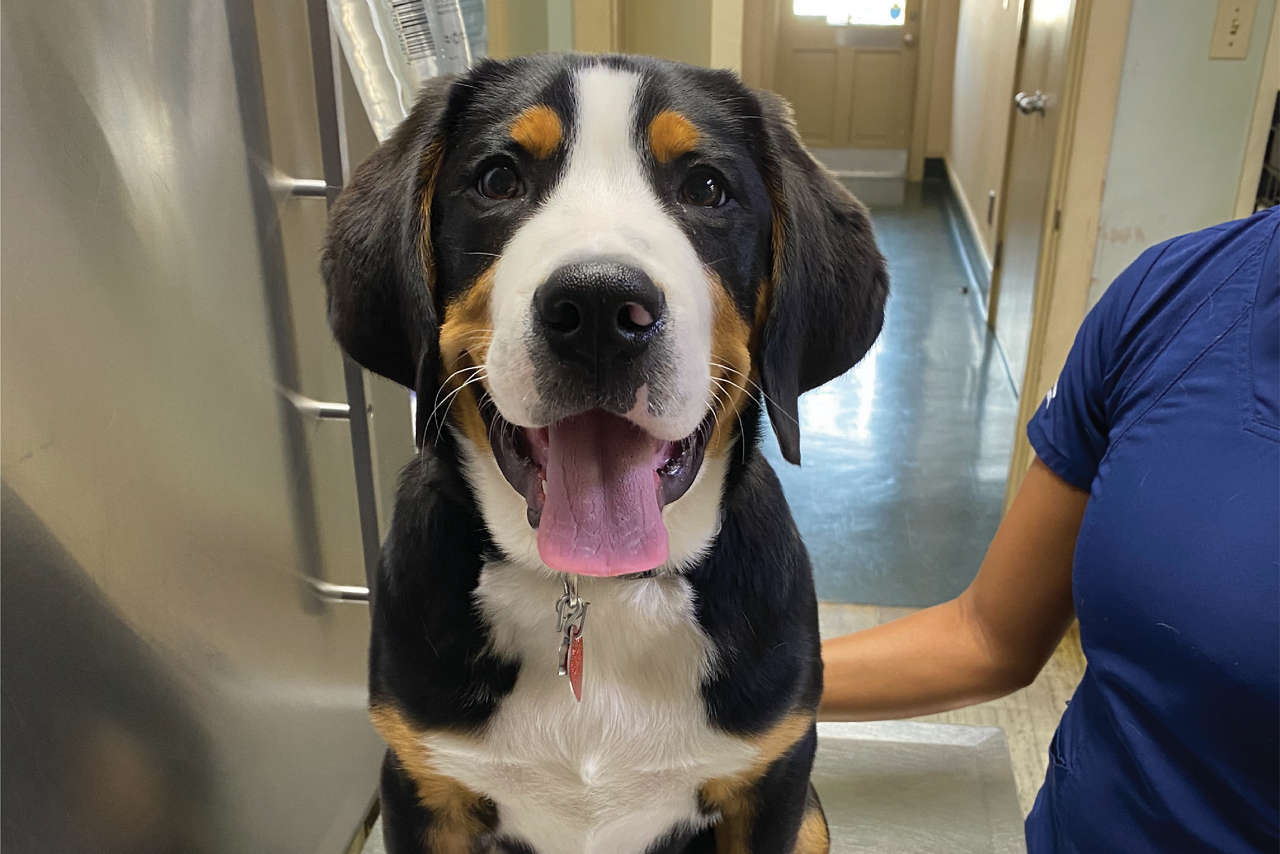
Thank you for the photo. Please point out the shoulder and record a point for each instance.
(1175, 277)
(1182, 290)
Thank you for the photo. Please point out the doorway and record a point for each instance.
(848, 67)
(1026, 221)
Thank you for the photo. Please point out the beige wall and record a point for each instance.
(726, 34)
(527, 31)
(938, 135)
(670, 29)
(982, 95)
(760, 40)
(931, 112)
(595, 26)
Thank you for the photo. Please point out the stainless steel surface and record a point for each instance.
(171, 679)
(1032, 103)
(900, 787)
(907, 455)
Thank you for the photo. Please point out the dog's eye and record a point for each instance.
(500, 182)
(703, 188)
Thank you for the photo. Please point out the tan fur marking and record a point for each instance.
(814, 838)
(671, 135)
(465, 336)
(777, 245)
(734, 796)
(538, 131)
(430, 171)
(455, 824)
(764, 298)
(730, 365)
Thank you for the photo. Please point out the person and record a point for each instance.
(1152, 515)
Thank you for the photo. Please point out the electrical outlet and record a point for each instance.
(1232, 29)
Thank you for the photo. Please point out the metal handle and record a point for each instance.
(908, 39)
(311, 188)
(338, 592)
(322, 409)
(1033, 103)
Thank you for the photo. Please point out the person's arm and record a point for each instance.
(991, 640)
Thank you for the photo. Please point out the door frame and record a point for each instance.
(1099, 31)
(1260, 125)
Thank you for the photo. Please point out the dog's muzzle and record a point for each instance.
(595, 482)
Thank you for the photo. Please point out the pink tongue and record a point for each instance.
(601, 516)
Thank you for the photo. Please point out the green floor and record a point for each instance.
(906, 456)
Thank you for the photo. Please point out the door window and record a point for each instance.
(862, 13)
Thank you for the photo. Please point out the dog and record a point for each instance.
(594, 626)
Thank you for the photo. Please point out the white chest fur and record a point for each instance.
(615, 772)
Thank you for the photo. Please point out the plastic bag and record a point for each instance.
(392, 46)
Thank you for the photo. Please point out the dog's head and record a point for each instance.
(588, 267)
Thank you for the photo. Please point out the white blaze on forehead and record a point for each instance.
(604, 207)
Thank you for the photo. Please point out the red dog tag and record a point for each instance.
(575, 666)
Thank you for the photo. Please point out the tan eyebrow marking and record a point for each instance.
(671, 135)
(538, 131)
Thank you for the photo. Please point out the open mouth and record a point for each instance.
(595, 485)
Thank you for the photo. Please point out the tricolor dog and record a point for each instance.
(594, 623)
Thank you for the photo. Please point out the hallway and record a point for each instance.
(906, 456)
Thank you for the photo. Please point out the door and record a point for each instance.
(851, 84)
(171, 679)
(1037, 115)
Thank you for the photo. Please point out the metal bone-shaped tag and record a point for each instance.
(575, 666)
(571, 618)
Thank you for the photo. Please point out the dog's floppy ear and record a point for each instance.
(825, 299)
(377, 263)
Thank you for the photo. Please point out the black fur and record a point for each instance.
(754, 591)
(831, 283)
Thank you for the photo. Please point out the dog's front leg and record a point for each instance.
(430, 816)
(773, 812)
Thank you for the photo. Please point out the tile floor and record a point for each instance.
(906, 456)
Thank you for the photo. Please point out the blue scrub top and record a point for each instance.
(1166, 412)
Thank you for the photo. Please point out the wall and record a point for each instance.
(938, 136)
(559, 25)
(595, 26)
(726, 34)
(670, 29)
(1181, 128)
(982, 95)
(760, 22)
(931, 112)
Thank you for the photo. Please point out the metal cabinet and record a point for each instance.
(171, 680)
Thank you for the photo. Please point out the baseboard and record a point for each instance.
(968, 244)
(874, 163)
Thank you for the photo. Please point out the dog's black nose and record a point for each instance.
(599, 312)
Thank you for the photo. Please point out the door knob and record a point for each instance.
(1033, 103)
(908, 39)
